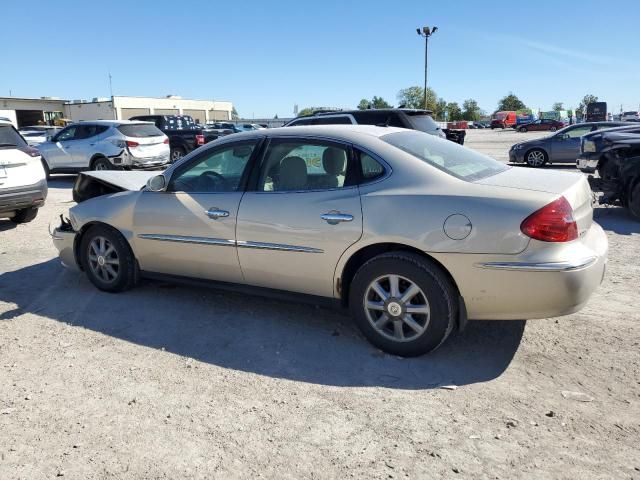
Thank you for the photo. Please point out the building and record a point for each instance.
(24, 112)
(123, 108)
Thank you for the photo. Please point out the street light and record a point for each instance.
(426, 32)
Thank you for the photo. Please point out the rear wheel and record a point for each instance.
(403, 304)
(553, 129)
(107, 259)
(177, 153)
(102, 164)
(25, 215)
(536, 157)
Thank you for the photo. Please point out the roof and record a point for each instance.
(338, 131)
(380, 110)
(111, 122)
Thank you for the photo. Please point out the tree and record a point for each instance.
(454, 111)
(582, 108)
(558, 106)
(511, 102)
(234, 114)
(471, 110)
(379, 102)
(307, 111)
(413, 97)
(441, 107)
(364, 104)
(275, 116)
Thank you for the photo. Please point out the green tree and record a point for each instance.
(379, 102)
(471, 110)
(511, 102)
(364, 104)
(234, 114)
(454, 111)
(413, 97)
(307, 111)
(441, 107)
(582, 108)
(558, 106)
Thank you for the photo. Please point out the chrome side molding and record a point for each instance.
(278, 246)
(540, 266)
(229, 243)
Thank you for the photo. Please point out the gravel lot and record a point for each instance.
(178, 382)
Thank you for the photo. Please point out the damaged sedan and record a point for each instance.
(413, 233)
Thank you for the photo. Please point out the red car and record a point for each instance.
(540, 125)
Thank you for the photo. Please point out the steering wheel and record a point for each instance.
(207, 181)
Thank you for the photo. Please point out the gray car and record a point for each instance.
(105, 145)
(413, 233)
(562, 146)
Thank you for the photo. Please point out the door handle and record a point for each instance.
(215, 213)
(333, 218)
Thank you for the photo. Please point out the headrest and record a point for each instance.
(333, 161)
(293, 174)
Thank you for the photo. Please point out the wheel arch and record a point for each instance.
(95, 157)
(77, 241)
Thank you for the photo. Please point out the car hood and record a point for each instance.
(94, 184)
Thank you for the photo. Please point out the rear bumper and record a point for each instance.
(586, 163)
(64, 241)
(13, 199)
(529, 285)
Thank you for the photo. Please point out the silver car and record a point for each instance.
(413, 233)
(562, 146)
(105, 145)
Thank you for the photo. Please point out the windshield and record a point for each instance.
(9, 137)
(422, 122)
(457, 161)
(140, 130)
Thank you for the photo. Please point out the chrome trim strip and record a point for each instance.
(229, 243)
(540, 267)
(185, 239)
(278, 247)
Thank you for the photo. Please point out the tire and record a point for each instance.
(523, 129)
(177, 153)
(634, 200)
(118, 269)
(553, 129)
(536, 157)
(101, 163)
(418, 334)
(45, 166)
(25, 215)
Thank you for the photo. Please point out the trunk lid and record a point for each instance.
(572, 186)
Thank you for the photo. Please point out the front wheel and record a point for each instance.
(536, 158)
(553, 129)
(25, 215)
(107, 259)
(523, 129)
(403, 304)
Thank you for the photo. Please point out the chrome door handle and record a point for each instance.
(333, 218)
(215, 213)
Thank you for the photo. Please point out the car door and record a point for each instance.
(565, 145)
(59, 152)
(189, 228)
(84, 144)
(301, 215)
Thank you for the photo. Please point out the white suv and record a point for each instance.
(23, 187)
(630, 117)
(105, 145)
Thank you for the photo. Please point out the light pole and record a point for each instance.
(426, 32)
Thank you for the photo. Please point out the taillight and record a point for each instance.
(200, 139)
(552, 223)
(32, 152)
(166, 141)
(132, 144)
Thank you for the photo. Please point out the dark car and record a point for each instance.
(562, 146)
(184, 135)
(594, 146)
(414, 119)
(543, 124)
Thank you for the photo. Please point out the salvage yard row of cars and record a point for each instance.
(413, 233)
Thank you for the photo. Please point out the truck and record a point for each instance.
(596, 112)
(184, 135)
(504, 119)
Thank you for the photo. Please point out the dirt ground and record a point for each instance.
(179, 382)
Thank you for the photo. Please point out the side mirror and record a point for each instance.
(157, 183)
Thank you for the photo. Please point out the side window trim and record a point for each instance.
(242, 187)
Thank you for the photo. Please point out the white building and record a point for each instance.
(25, 112)
(123, 108)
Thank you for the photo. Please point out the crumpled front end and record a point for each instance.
(64, 237)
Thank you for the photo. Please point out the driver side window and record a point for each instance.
(217, 170)
(67, 134)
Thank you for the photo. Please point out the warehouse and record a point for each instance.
(25, 112)
(122, 108)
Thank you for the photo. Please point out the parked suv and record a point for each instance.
(23, 187)
(390, 117)
(105, 145)
(630, 117)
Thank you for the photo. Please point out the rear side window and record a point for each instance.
(302, 121)
(9, 137)
(88, 131)
(370, 167)
(140, 130)
(341, 120)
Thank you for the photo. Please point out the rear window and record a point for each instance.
(9, 137)
(140, 130)
(422, 122)
(179, 122)
(343, 120)
(451, 158)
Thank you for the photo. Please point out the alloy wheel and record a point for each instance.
(397, 308)
(535, 158)
(103, 259)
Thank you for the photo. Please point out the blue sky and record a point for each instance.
(267, 56)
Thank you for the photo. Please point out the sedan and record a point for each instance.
(413, 233)
(541, 125)
(560, 147)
